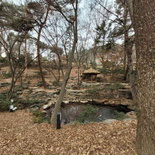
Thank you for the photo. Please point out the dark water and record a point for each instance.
(88, 113)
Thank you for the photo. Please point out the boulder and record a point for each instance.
(131, 114)
(48, 105)
(66, 102)
(109, 121)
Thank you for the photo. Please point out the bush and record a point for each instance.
(100, 79)
(4, 103)
(4, 106)
(55, 83)
(91, 91)
(113, 86)
(119, 115)
(88, 114)
(4, 60)
(39, 84)
(118, 71)
(38, 117)
(6, 74)
(29, 103)
(38, 73)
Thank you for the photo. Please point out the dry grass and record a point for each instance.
(19, 135)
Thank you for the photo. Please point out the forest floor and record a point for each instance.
(19, 135)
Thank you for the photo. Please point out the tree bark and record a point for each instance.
(65, 80)
(25, 53)
(130, 8)
(126, 43)
(39, 58)
(144, 25)
(38, 47)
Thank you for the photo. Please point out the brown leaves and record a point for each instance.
(18, 135)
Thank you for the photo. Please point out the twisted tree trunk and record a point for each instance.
(66, 77)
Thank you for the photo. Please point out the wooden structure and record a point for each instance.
(90, 74)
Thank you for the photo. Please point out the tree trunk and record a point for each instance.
(25, 53)
(39, 57)
(79, 73)
(126, 64)
(11, 89)
(130, 71)
(130, 8)
(65, 80)
(38, 47)
(144, 25)
(66, 77)
(60, 66)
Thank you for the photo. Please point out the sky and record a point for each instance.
(84, 7)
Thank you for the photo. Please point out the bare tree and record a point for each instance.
(73, 22)
(40, 11)
(14, 32)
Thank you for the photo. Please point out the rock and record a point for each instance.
(127, 119)
(4, 84)
(19, 92)
(66, 102)
(44, 111)
(125, 93)
(116, 95)
(109, 121)
(46, 106)
(34, 107)
(55, 95)
(83, 101)
(131, 114)
(50, 94)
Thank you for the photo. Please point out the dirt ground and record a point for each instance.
(19, 135)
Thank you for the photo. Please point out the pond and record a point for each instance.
(87, 112)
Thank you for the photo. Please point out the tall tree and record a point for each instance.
(40, 13)
(14, 28)
(124, 11)
(144, 25)
(54, 35)
(72, 20)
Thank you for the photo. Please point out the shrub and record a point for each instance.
(4, 60)
(88, 114)
(38, 117)
(38, 73)
(55, 83)
(119, 115)
(29, 103)
(118, 71)
(6, 74)
(4, 103)
(4, 106)
(113, 86)
(100, 79)
(91, 91)
(39, 84)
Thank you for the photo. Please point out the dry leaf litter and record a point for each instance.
(20, 136)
